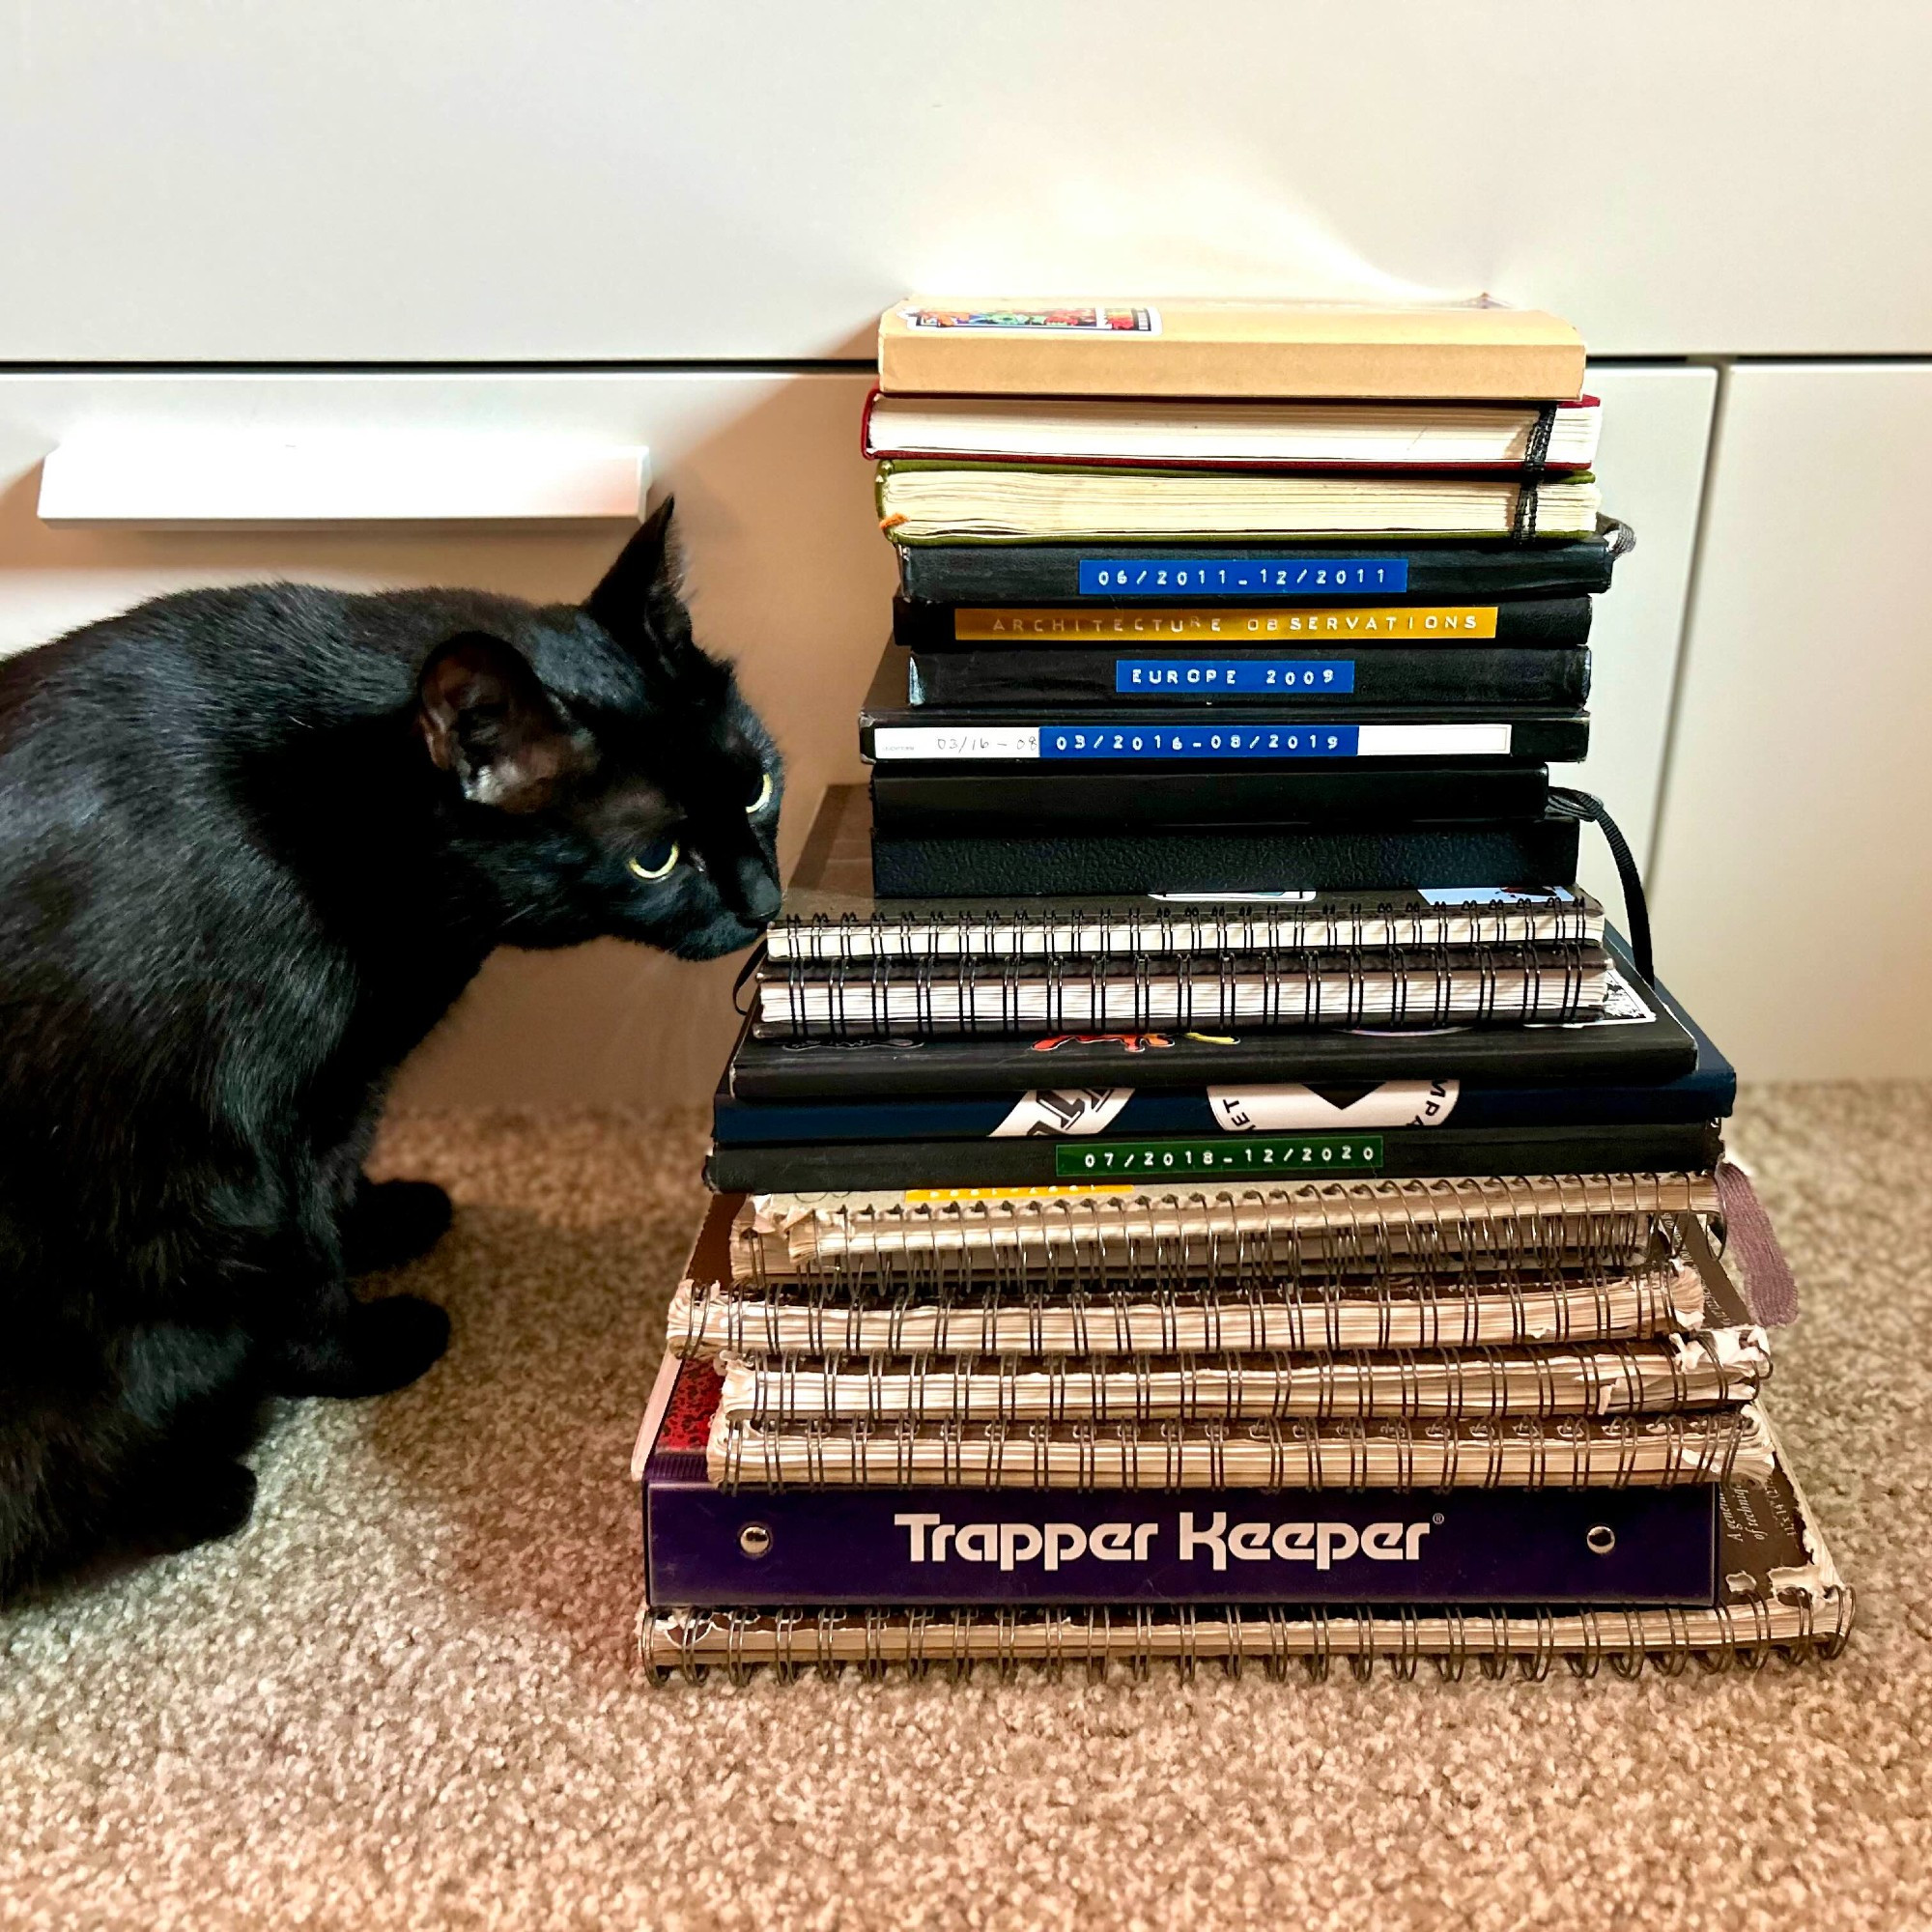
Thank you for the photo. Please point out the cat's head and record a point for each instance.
(603, 773)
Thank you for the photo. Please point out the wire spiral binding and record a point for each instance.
(1130, 929)
(881, 1642)
(1353, 986)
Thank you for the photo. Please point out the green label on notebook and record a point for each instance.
(1235, 1157)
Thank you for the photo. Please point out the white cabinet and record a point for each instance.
(1793, 879)
(493, 180)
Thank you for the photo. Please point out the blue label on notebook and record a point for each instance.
(1240, 576)
(1197, 741)
(1223, 677)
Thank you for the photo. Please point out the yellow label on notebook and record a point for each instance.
(927, 1196)
(1233, 624)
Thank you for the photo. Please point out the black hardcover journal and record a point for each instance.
(941, 798)
(1097, 625)
(1144, 677)
(1316, 572)
(1288, 730)
(1531, 853)
(1038, 1161)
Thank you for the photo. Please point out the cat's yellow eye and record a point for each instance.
(764, 797)
(655, 861)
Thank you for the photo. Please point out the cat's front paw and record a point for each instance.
(377, 1347)
(202, 1503)
(391, 1222)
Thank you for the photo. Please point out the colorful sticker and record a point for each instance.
(1038, 318)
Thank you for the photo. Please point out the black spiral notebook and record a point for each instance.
(1142, 677)
(1380, 793)
(1321, 573)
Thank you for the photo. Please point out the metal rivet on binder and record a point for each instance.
(1601, 1539)
(756, 1538)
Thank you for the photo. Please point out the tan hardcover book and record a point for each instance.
(1782, 1592)
(1717, 1367)
(1303, 351)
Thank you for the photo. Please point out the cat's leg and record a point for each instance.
(327, 1341)
(390, 1222)
(381, 1223)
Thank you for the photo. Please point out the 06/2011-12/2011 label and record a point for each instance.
(1239, 1158)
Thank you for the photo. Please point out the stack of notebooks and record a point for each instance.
(1199, 1179)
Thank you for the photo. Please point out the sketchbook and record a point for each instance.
(1191, 346)
(985, 502)
(1138, 431)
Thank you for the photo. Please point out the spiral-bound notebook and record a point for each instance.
(1717, 1367)
(1779, 1590)
(829, 914)
(1238, 1236)
(1400, 1265)
(1432, 989)
(1512, 985)
(1719, 1445)
(705, 1545)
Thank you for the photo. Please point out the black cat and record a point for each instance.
(253, 843)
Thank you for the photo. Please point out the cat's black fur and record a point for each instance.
(253, 843)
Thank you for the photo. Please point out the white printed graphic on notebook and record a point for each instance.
(1069, 1110)
(1395, 1103)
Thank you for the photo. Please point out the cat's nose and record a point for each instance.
(758, 892)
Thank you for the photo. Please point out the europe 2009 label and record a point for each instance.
(1223, 677)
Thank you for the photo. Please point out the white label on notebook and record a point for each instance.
(1283, 898)
(1502, 895)
(1395, 1103)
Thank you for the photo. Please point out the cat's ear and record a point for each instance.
(630, 601)
(485, 716)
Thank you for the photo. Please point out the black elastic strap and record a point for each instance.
(1536, 452)
(1585, 805)
(747, 972)
(1522, 525)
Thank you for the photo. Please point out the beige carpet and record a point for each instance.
(407, 1696)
